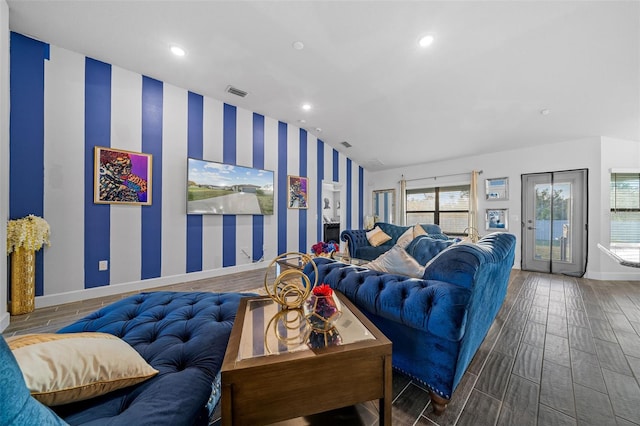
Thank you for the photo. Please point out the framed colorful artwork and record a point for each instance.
(298, 192)
(497, 219)
(121, 177)
(497, 189)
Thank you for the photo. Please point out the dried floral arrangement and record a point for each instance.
(30, 232)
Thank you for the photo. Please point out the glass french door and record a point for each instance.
(554, 222)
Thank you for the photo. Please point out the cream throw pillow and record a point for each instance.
(405, 239)
(64, 368)
(418, 230)
(377, 236)
(397, 261)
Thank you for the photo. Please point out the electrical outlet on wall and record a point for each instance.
(103, 265)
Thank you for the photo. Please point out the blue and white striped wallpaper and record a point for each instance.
(64, 104)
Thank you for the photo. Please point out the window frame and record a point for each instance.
(437, 211)
(614, 209)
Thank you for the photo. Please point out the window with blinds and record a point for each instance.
(444, 206)
(625, 209)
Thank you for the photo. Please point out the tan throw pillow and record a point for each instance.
(405, 239)
(418, 230)
(377, 236)
(64, 368)
(397, 261)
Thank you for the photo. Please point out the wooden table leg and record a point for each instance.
(385, 402)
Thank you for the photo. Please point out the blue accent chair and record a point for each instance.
(436, 323)
(359, 246)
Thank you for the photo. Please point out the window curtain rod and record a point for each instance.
(441, 176)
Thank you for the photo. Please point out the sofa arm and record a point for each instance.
(355, 238)
(459, 263)
(436, 306)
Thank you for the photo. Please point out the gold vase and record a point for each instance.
(23, 281)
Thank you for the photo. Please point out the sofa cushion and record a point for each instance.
(183, 335)
(371, 253)
(397, 261)
(64, 368)
(424, 248)
(377, 237)
(17, 406)
(435, 306)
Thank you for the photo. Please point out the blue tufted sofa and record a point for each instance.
(359, 246)
(184, 335)
(438, 322)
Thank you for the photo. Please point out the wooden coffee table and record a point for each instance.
(269, 374)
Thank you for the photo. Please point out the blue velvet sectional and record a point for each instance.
(436, 323)
(184, 335)
(360, 248)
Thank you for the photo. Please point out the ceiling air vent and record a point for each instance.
(346, 144)
(236, 91)
(373, 163)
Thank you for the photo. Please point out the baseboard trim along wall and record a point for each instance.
(78, 295)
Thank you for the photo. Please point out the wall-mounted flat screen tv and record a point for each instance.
(217, 188)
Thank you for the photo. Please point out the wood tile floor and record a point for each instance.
(562, 351)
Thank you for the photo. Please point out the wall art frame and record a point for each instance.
(298, 192)
(384, 205)
(122, 177)
(497, 189)
(497, 220)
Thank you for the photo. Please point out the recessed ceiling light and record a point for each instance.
(545, 111)
(426, 41)
(178, 51)
(298, 45)
(306, 107)
(302, 121)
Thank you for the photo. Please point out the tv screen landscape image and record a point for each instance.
(217, 188)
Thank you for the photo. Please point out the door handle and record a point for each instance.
(531, 227)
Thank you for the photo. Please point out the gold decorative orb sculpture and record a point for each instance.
(291, 287)
(290, 328)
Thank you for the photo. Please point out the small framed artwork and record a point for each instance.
(298, 192)
(497, 219)
(497, 189)
(121, 177)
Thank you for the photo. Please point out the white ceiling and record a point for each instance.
(479, 88)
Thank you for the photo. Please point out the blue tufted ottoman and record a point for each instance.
(184, 335)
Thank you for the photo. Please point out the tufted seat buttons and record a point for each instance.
(173, 331)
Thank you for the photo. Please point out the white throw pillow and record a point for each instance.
(397, 261)
(405, 239)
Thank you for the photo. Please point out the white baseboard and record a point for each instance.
(4, 320)
(109, 290)
(632, 275)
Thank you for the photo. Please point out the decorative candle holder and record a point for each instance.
(321, 309)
